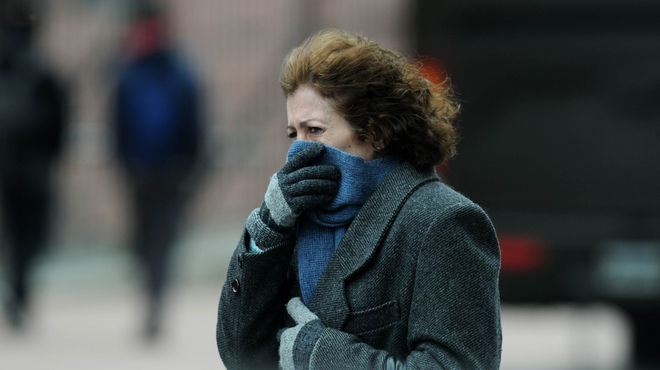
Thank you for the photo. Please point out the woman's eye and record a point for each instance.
(292, 135)
(315, 130)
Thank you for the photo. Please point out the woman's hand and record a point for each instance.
(294, 351)
(300, 185)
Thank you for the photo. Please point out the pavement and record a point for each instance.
(102, 330)
(88, 311)
(88, 315)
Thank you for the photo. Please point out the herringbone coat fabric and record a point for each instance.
(414, 278)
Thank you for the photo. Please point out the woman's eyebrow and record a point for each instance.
(316, 120)
(304, 123)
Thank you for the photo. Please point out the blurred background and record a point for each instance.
(560, 140)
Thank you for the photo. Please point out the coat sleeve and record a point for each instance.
(454, 319)
(251, 309)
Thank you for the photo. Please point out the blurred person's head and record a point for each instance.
(18, 22)
(348, 92)
(147, 31)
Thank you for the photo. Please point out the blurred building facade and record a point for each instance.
(238, 48)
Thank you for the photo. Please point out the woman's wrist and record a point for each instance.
(264, 236)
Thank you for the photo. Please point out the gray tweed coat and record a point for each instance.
(414, 278)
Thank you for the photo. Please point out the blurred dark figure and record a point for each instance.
(158, 143)
(32, 117)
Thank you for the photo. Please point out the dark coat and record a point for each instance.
(415, 277)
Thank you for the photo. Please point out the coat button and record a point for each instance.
(235, 286)
(240, 260)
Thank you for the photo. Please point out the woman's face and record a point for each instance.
(311, 118)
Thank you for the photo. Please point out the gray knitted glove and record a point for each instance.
(300, 185)
(297, 343)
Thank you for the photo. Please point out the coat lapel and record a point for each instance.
(363, 236)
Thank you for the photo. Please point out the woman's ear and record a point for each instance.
(377, 144)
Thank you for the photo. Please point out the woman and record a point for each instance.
(359, 256)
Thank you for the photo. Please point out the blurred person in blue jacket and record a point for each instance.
(157, 130)
(32, 119)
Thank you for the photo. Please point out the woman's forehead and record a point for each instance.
(306, 104)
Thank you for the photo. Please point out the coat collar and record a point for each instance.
(361, 240)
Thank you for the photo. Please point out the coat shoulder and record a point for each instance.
(435, 213)
(437, 200)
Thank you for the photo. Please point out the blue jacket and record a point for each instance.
(156, 113)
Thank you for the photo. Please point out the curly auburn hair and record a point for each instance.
(381, 94)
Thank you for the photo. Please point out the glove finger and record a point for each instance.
(285, 350)
(328, 172)
(305, 202)
(313, 187)
(299, 312)
(304, 158)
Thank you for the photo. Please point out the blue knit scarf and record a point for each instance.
(321, 229)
